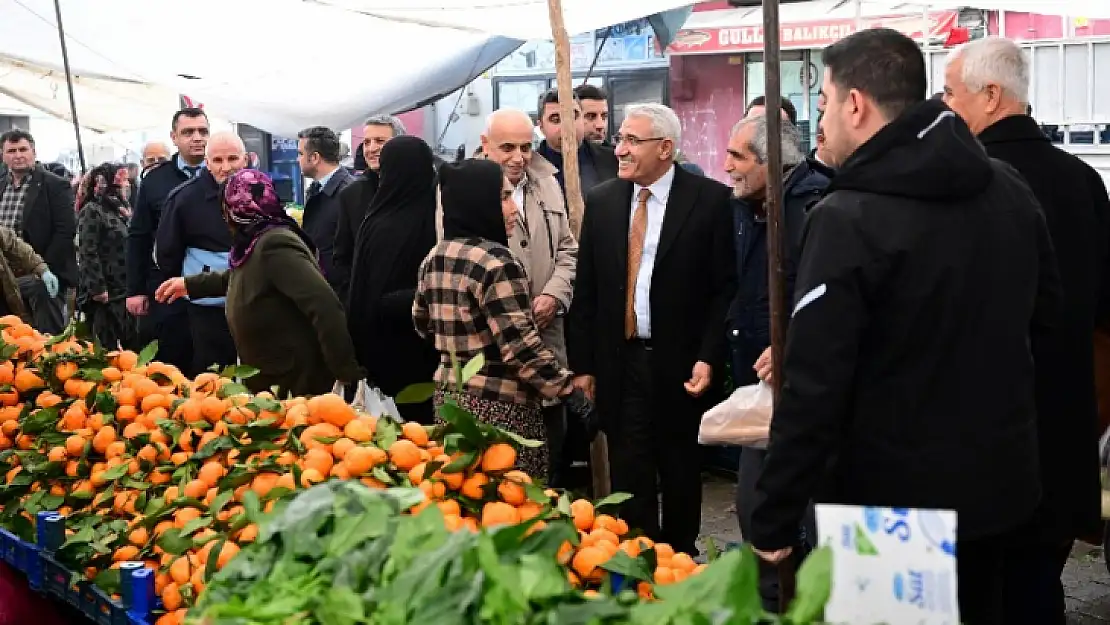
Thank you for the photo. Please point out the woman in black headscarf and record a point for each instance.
(474, 298)
(396, 235)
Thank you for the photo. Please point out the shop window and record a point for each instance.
(520, 94)
(1101, 84)
(625, 91)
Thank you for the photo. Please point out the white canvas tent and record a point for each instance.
(1074, 8)
(280, 65)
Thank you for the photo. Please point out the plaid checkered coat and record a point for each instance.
(473, 297)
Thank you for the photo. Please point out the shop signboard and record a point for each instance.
(805, 35)
(890, 565)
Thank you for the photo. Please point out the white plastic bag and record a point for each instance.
(742, 419)
(371, 399)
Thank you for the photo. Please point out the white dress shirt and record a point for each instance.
(656, 207)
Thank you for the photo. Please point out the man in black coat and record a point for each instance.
(354, 200)
(318, 150)
(656, 272)
(39, 206)
(168, 323)
(987, 83)
(193, 238)
(596, 162)
(925, 274)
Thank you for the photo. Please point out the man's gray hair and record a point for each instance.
(387, 120)
(757, 145)
(994, 60)
(664, 121)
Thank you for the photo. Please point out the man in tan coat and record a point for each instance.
(542, 239)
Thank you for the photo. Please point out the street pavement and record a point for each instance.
(1086, 581)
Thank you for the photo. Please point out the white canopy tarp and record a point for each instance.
(520, 19)
(282, 65)
(107, 104)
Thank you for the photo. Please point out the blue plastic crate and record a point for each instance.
(18, 553)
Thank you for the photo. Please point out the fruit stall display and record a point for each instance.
(213, 490)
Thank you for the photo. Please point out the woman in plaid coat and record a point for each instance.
(473, 297)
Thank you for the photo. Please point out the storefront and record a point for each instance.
(629, 66)
(717, 65)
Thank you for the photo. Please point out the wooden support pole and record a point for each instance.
(599, 451)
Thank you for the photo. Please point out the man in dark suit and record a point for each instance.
(354, 200)
(656, 272)
(987, 83)
(168, 323)
(39, 206)
(318, 151)
(596, 162)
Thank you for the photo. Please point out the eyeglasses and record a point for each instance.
(634, 141)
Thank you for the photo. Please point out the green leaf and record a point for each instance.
(231, 389)
(108, 580)
(148, 353)
(40, 421)
(51, 502)
(252, 506)
(536, 493)
(626, 565)
(382, 476)
(92, 375)
(8, 350)
(614, 499)
(116, 472)
(220, 501)
(415, 393)
(520, 440)
(463, 422)
(386, 433)
(814, 587)
(473, 367)
(198, 523)
(241, 372)
(214, 446)
(214, 556)
(174, 542)
(460, 464)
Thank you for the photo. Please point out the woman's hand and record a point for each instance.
(101, 297)
(171, 290)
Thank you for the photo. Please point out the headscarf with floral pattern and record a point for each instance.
(108, 185)
(252, 208)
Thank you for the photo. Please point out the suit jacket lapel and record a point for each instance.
(679, 204)
(621, 220)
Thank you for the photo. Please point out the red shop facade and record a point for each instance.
(716, 64)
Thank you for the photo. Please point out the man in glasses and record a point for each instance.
(656, 272)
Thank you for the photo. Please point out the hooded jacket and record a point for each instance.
(925, 274)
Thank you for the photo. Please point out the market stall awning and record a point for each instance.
(520, 19)
(804, 25)
(107, 104)
(279, 65)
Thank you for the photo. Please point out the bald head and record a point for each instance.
(508, 141)
(155, 152)
(226, 155)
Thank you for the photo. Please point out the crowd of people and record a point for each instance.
(944, 266)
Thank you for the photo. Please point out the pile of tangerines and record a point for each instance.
(150, 466)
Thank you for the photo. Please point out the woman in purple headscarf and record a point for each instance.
(283, 315)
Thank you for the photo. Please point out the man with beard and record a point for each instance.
(987, 84)
(38, 206)
(749, 319)
(193, 238)
(596, 162)
(595, 112)
(318, 153)
(354, 200)
(925, 274)
(168, 323)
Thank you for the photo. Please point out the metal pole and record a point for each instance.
(597, 55)
(599, 448)
(776, 278)
(69, 85)
(772, 70)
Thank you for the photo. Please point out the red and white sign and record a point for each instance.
(800, 35)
